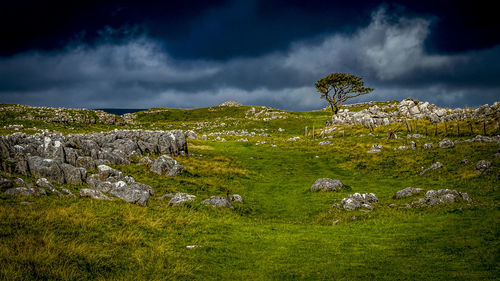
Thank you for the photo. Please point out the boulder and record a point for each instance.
(43, 182)
(106, 172)
(428, 145)
(218, 201)
(326, 184)
(483, 165)
(46, 168)
(436, 197)
(25, 191)
(434, 166)
(376, 148)
(446, 144)
(407, 192)
(5, 183)
(166, 165)
(94, 194)
(180, 198)
(129, 193)
(146, 161)
(190, 134)
(235, 198)
(357, 200)
(73, 175)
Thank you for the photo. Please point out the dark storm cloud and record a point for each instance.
(139, 70)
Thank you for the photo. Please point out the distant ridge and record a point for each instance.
(120, 111)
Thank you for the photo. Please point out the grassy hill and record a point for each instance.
(281, 231)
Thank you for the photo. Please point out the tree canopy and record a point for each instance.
(336, 88)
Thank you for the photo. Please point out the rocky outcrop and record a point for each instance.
(327, 184)
(411, 109)
(231, 104)
(65, 159)
(26, 191)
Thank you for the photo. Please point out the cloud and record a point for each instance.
(389, 54)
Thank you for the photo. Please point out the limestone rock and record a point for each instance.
(407, 192)
(218, 201)
(235, 198)
(326, 184)
(25, 191)
(357, 200)
(166, 165)
(94, 194)
(483, 165)
(180, 198)
(43, 182)
(434, 166)
(446, 144)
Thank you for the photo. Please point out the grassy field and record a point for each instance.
(281, 231)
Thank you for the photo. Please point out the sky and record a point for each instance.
(190, 54)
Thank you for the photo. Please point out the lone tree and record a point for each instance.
(336, 88)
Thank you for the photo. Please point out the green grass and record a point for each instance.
(281, 231)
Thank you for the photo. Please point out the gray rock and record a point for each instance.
(46, 168)
(436, 197)
(434, 166)
(483, 165)
(218, 201)
(166, 165)
(357, 200)
(19, 182)
(235, 198)
(94, 181)
(428, 145)
(146, 161)
(180, 198)
(86, 162)
(129, 193)
(325, 143)
(5, 183)
(67, 192)
(25, 191)
(164, 196)
(446, 144)
(376, 148)
(407, 192)
(43, 182)
(190, 134)
(73, 175)
(106, 172)
(94, 194)
(413, 145)
(326, 184)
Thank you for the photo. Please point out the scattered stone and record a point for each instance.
(293, 139)
(413, 145)
(193, 246)
(434, 166)
(446, 144)
(326, 184)
(407, 192)
(166, 165)
(19, 182)
(165, 196)
(483, 165)
(180, 198)
(336, 206)
(5, 183)
(428, 145)
(436, 197)
(235, 198)
(25, 203)
(94, 194)
(190, 134)
(218, 201)
(357, 201)
(25, 191)
(376, 148)
(146, 161)
(402, 147)
(43, 182)
(325, 143)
